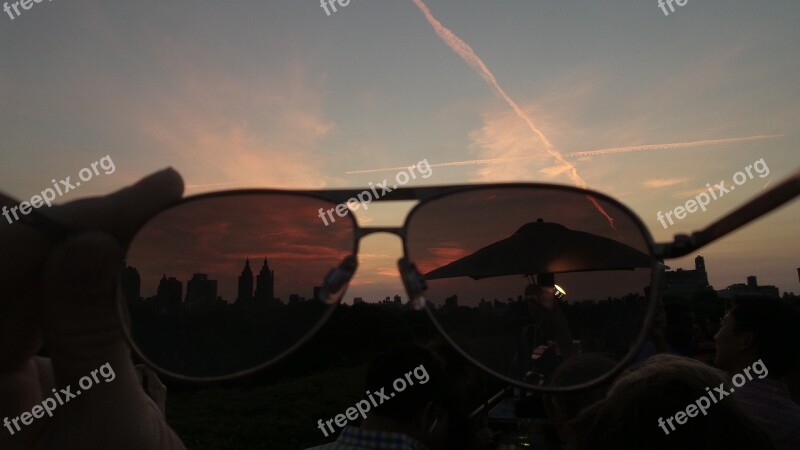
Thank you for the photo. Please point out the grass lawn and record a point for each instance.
(279, 416)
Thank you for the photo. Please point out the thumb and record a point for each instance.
(79, 320)
(82, 332)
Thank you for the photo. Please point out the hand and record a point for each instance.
(63, 296)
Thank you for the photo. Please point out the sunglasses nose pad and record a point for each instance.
(336, 281)
(413, 281)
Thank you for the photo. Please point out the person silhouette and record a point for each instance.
(766, 330)
(643, 409)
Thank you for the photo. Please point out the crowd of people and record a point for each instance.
(741, 401)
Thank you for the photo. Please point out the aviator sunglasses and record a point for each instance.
(518, 277)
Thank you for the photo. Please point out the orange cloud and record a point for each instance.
(228, 132)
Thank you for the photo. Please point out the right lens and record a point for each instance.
(223, 284)
(523, 279)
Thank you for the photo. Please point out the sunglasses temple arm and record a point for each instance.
(761, 205)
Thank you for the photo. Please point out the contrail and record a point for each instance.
(672, 146)
(599, 152)
(472, 162)
(468, 55)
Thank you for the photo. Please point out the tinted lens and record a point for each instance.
(544, 286)
(223, 284)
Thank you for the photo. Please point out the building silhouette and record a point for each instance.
(201, 292)
(245, 293)
(131, 283)
(294, 299)
(265, 284)
(686, 283)
(169, 295)
(451, 302)
(750, 289)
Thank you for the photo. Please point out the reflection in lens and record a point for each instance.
(497, 261)
(219, 285)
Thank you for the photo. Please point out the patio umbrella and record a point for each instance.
(543, 247)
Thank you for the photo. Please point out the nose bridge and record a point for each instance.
(362, 232)
(413, 281)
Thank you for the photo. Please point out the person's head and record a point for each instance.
(562, 408)
(642, 407)
(419, 399)
(758, 328)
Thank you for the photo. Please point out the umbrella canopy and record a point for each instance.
(542, 247)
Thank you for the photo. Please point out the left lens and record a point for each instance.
(224, 284)
(525, 279)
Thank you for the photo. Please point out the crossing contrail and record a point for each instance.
(671, 146)
(471, 58)
(599, 152)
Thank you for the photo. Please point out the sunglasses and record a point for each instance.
(521, 278)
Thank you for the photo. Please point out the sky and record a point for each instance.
(614, 96)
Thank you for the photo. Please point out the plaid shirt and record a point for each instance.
(354, 438)
(769, 404)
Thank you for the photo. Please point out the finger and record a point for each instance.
(82, 332)
(25, 250)
(121, 213)
(79, 321)
(118, 214)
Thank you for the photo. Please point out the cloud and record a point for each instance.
(228, 129)
(476, 63)
(507, 148)
(658, 183)
(234, 151)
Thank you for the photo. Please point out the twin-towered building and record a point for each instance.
(264, 284)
